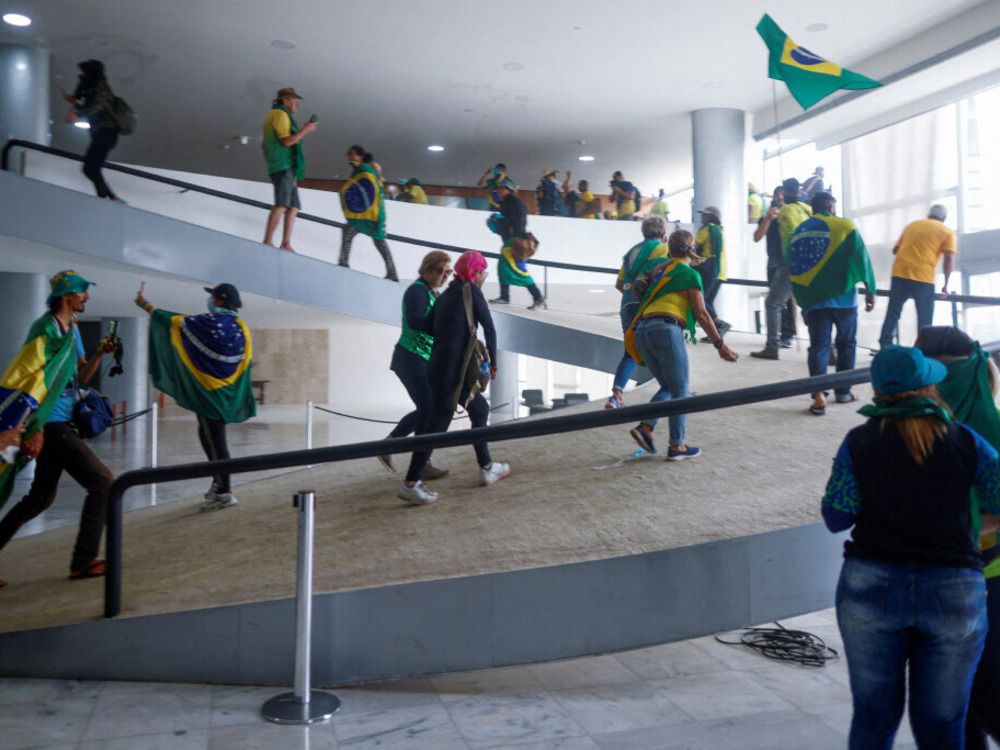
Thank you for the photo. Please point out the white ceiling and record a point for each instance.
(397, 75)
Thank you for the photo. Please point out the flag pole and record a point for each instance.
(777, 125)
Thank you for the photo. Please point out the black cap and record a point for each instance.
(791, 185)
(228, 293)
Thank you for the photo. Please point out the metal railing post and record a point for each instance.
(954, 311)
(154, 436)
(309, 425)
(545, 283)
(303, 705)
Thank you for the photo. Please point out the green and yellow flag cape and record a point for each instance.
(363, 202)
(827, 258)
(668, 276)
(203, 362)
(808, 76)
(40, 372)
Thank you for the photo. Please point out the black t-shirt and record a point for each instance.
(774, 255)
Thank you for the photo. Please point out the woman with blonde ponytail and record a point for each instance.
(911, 600)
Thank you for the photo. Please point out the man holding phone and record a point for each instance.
(42, 381)
(286, 164)
(779, 307)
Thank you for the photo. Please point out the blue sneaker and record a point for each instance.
(679, 455)
(643, 435)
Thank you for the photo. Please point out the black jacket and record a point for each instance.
(515, 217)
(448, 324)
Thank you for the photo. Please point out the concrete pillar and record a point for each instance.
(24, 94)
(506, 388)
(24, 296)
(718, 137)
(132, 386)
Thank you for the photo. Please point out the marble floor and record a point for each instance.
(695, 694)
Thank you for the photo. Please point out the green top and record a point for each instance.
(280, 157)
(366, 218)
(414, 341)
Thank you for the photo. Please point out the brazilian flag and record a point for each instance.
(808, 76)
(363, 202)
(203, 362)
(827, 258)
(32, 384)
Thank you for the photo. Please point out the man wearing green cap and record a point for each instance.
(41, 383)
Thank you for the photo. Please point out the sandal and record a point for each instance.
(94, 570)
(817, 410)
(850, 398)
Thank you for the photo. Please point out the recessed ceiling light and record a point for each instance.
(82, 124)
(283, 44)
(513, 66)
(819, 26)
(21, 65)
(435, 147)
(16, 19)
(585, 157)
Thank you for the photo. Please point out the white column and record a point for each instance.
(24, 93)
(132, 386)
(506, 388)
(24, 296)
(718, 140)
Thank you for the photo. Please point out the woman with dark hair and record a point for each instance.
(363, 201)
(413, 350)
(970, 391)
(93, 99)
(670, 302)
(911, 600)
(448, 322)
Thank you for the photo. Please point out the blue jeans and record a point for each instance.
(821, 322)
(984, 708)
(661, 345)
(930, 619)
(626, 366)
(901, 290)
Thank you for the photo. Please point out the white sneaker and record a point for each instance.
(219, 501)
(496, 471)
(418, 494)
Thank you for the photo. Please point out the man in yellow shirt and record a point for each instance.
(286, 165)
(917, 252)
(413, 192)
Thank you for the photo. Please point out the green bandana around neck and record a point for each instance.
(917, 406)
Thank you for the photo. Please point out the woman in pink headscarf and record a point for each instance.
(448, 323)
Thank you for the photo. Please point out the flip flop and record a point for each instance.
(817, 411)
(849, 399)
(94, 570)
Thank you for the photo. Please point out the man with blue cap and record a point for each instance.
(38, 390)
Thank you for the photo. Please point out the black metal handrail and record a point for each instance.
(192, 187)
(553, 425)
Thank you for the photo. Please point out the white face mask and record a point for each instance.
(212, 308)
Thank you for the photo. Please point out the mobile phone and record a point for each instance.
(113, 329)
(313, 118)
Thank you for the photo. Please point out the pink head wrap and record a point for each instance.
(469, 264)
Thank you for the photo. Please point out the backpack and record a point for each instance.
(91, 413)
(123, 116)
(475, 372)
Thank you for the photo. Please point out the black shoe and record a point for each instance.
(499, 301)
(765, 353)
(723, 327)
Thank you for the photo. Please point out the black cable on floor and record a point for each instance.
(393, 421)
(798, 646)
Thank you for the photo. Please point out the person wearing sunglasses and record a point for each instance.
(413, 350)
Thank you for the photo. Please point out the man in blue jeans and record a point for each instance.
(917, 252)
(827, 259)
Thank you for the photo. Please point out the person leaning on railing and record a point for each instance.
(911, 590)
(671, 301)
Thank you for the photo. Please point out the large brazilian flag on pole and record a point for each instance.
(31, 385)
(808, 76)
(203, 362)
(827, 258)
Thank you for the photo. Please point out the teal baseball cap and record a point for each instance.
(67, 282)
(897, 369)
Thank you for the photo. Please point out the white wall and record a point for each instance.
(586, 242)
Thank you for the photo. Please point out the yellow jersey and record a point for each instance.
(921, 245)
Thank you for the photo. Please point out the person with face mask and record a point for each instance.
(448, 322)
(204, 363)
(362, 200)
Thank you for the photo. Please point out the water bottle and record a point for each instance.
(484, 369)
